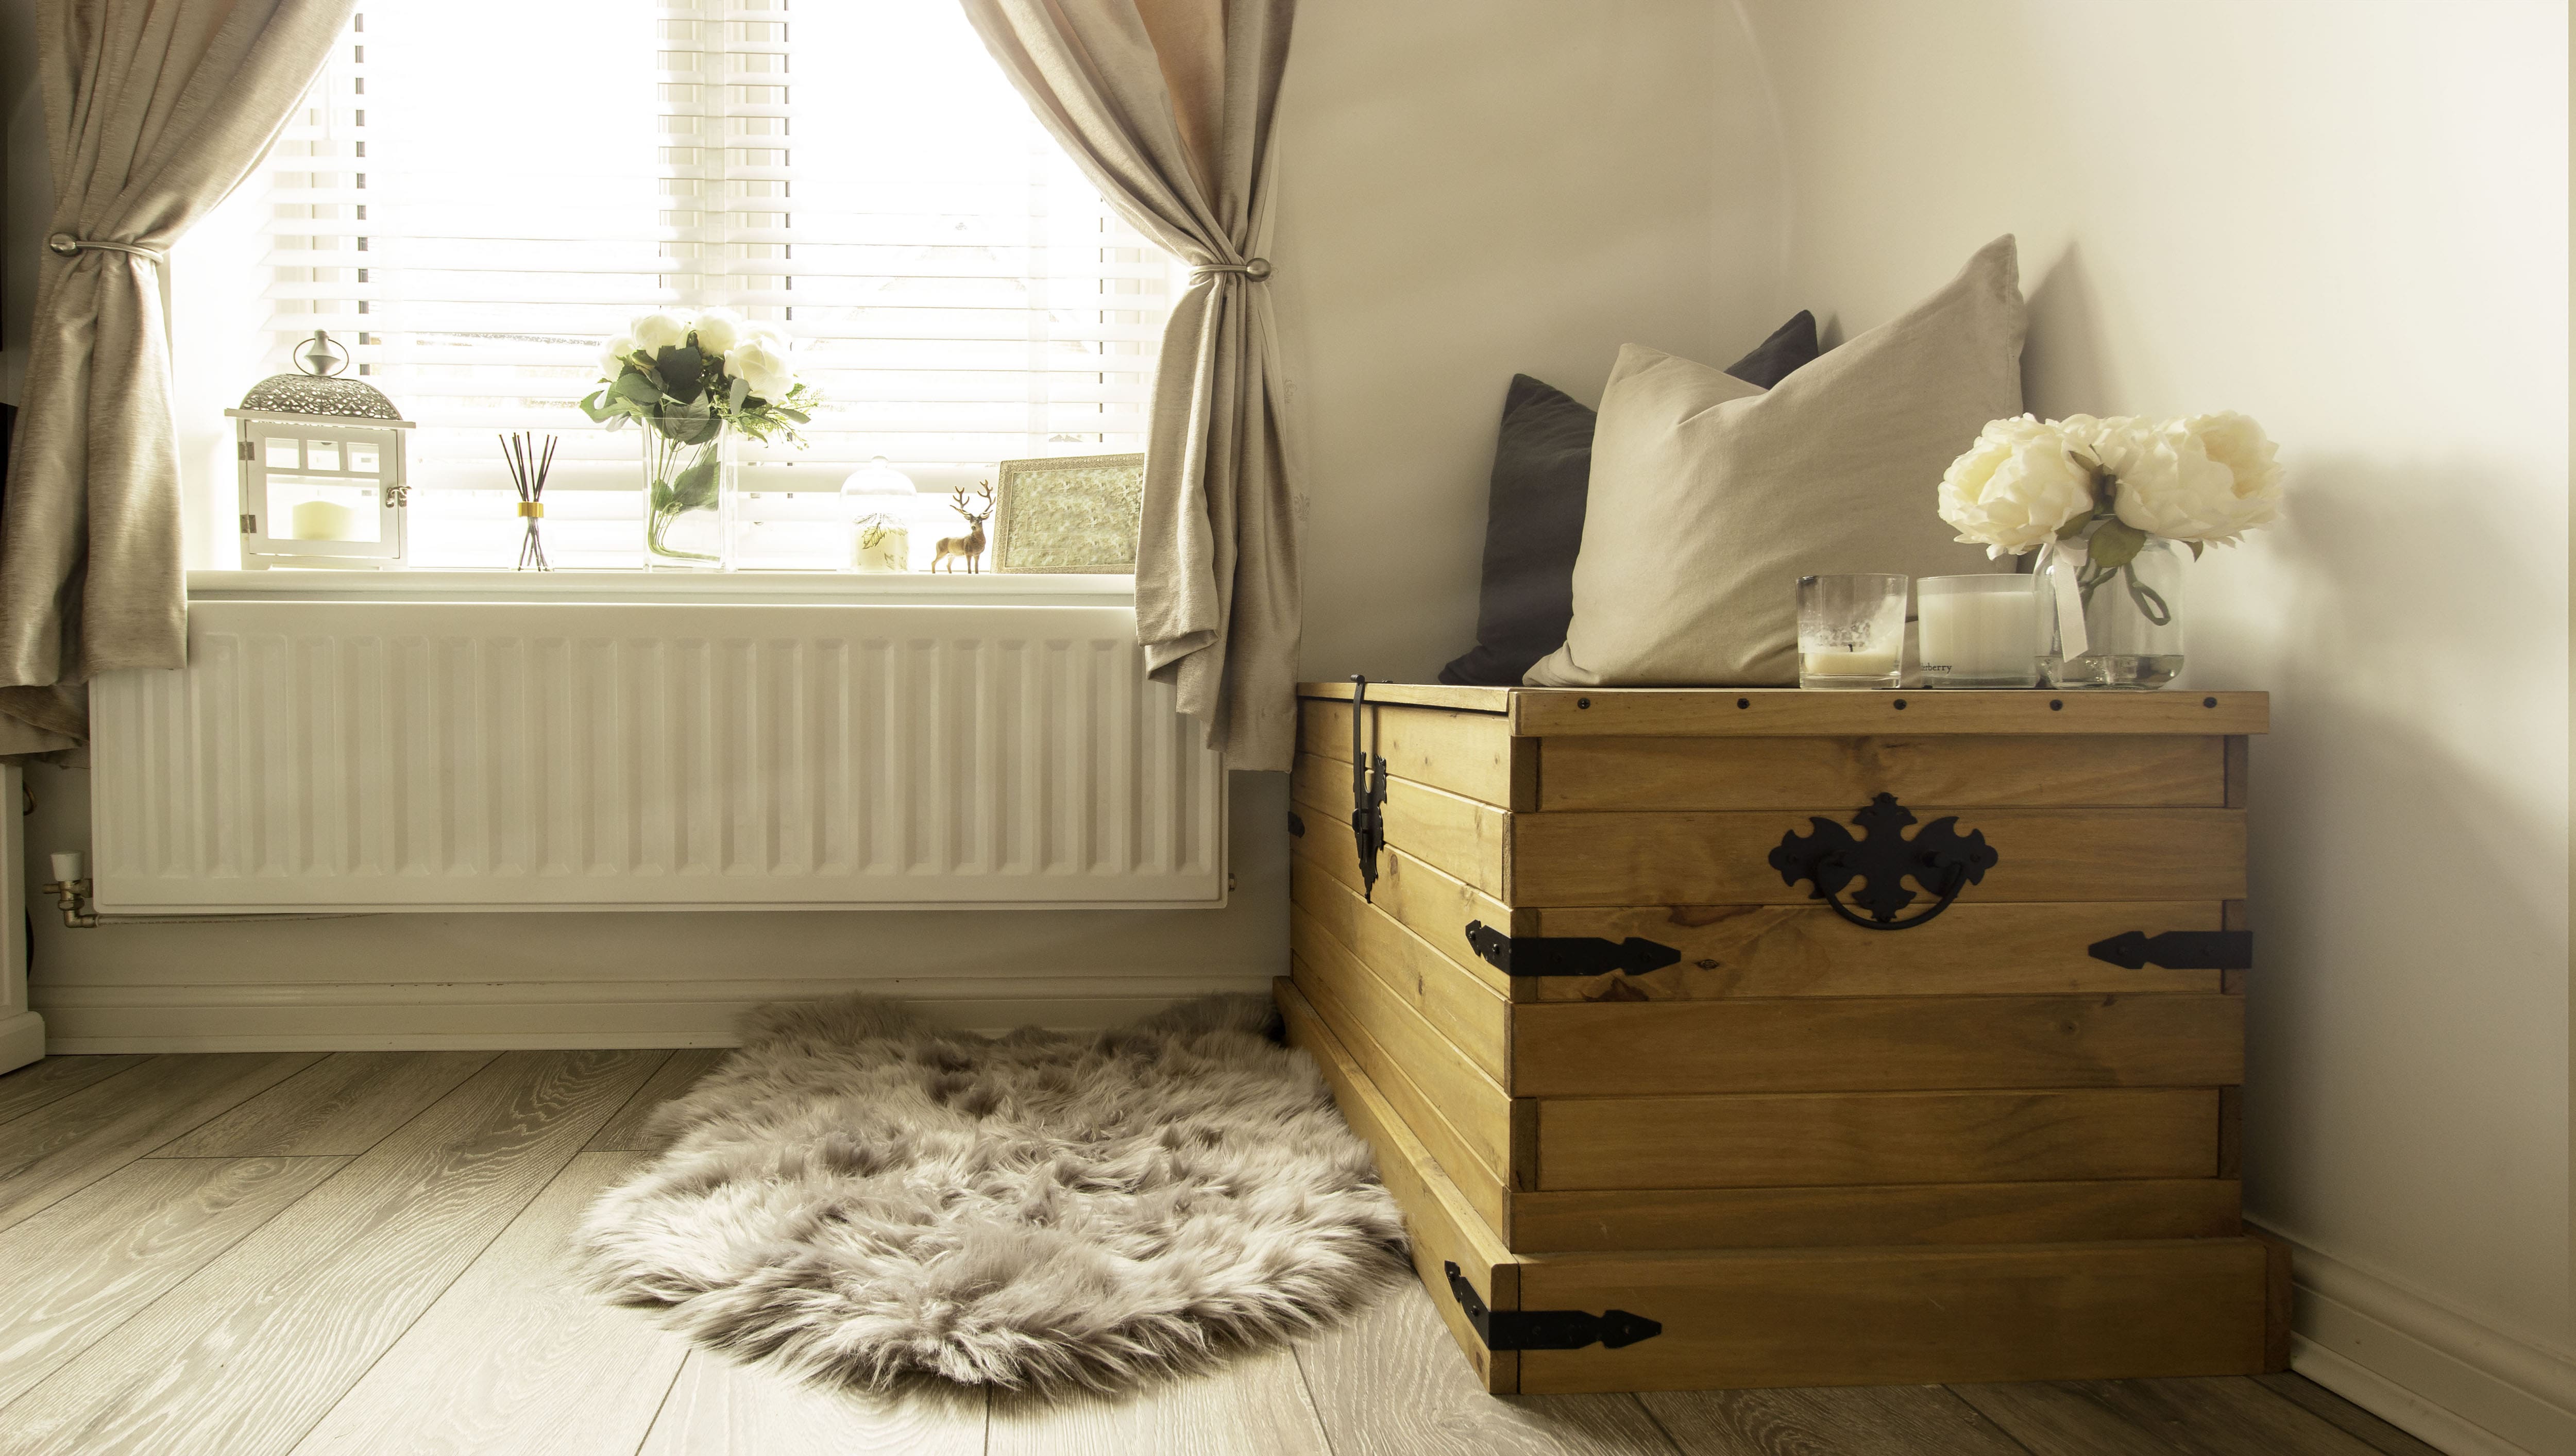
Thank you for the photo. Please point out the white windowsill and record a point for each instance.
(984, 589)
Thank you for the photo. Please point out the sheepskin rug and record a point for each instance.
(862, 1199)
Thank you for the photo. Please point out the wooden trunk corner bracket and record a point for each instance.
(1566, 955)
(1546, 1329)
(2179, 950)
(1368, 793)
(1938, 858)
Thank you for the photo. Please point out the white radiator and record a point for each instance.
(554, 754)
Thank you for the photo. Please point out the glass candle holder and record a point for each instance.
(1979, 631)
(1851, 631)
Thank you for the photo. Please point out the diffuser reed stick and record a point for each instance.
(529, 466)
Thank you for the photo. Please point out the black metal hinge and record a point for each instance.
(2179, 950)
(1547, 1329)
(1566, 955)
(1368, 793)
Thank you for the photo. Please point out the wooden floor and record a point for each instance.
(230, 1255)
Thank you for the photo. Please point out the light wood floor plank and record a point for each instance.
(86, 1265)
(101, 1128)
(247, 1354)
(2343, 1414)
(1256, 1405)
(346, 1103)
(625, 1131)
(54, 1078)
(515, 1359)
(1879, 1420)
(1391, 1380)
(719, 1408)
(2217, 1416)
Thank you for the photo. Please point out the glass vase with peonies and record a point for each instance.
(695, 386)
(2112, 505)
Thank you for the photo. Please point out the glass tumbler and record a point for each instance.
(1851, 631)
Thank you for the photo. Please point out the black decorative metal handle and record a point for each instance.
(1368, 793)
(1939, 858)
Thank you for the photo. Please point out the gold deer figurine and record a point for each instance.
(968, 548)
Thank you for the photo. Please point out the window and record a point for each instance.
(481, 191)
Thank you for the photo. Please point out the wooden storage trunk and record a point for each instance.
(1661, 1118)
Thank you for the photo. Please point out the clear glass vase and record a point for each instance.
(691, 485)
(2132, 616)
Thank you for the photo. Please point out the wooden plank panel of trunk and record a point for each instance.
(1458, 835)
(1817, 1138)
(1472, 755)
(1917, 1213)
(1874, 1044)
(1723, 858)
(1908, 1316)
(1473, 1018)
(2132, 770)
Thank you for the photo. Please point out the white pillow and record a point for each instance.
(1711, 497)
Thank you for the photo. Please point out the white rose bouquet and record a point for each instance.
(2107, 486)
(686, 379)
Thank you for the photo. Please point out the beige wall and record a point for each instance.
(1471, 189)
(2350, 221)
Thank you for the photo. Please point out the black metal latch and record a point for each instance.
(1368, 793)
(1547, 1329)
(1938, 858)
(2179, 950)
(1566, 955)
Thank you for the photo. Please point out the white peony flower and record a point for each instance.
(2169, 486)
(612, 356)
(762, 363)
(2015, 486)
(659, 330)
(2240, 446)
(718, 328)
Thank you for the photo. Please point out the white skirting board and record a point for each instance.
(450, 1015)
(2454, 1383)
(22, 1031)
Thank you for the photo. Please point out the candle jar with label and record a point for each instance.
(1851, 631)
(1979, 631)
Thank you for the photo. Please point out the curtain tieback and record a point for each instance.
(1256, 270)
(67, 245)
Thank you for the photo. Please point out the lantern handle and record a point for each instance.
(319, 356)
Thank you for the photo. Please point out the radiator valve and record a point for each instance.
(71, 890)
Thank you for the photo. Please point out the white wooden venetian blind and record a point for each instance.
(481, 191)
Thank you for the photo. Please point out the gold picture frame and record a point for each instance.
(1069, 513)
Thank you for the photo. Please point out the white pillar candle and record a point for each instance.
(880, 548)
(322, 520)
(1980, 632)
(1867, 662)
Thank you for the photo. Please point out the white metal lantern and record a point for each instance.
(322, 480)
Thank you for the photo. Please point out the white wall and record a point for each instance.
(1474, 190)
(1471, 189)
(2348, 220)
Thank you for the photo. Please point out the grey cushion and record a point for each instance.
(1710, 497)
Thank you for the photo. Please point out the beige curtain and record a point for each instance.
(1167, 105)
(154, 111)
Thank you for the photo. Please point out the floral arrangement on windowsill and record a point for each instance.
(2105, 500)
(693, 384)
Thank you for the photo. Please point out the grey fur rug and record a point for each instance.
(862, 1199)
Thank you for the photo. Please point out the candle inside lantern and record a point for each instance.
(322, 520)
(1979, 631)
(879, 543)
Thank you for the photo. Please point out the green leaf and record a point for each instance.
(637, 387)
(695, 489)
(591, 406)
(2115, 544)
(678, 368)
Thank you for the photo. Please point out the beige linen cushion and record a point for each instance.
(1711, 497)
